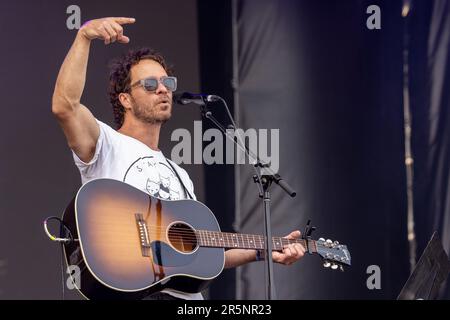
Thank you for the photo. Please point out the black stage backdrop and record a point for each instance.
(334, 89)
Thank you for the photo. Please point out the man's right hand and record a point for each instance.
(78, 123)
(107, 29)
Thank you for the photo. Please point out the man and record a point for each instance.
(140, 92)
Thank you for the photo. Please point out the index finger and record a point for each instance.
(123, 20)
(294, 235)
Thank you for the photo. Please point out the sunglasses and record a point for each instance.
(151, 83)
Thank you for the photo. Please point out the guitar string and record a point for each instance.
(203, 244)
(190, 239)
(202, 233)
(195, 236)
(210, 234)
(155, 228)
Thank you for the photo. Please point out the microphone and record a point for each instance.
(184, 98)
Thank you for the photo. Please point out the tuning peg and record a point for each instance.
(322, 239)
(326, 264)
(334, 266)
(341, 267)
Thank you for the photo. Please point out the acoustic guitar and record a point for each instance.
(128, 244)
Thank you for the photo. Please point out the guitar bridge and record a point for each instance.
(144, 236)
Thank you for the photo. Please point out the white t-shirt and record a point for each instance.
(121, 157)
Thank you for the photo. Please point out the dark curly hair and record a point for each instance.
(120, 77)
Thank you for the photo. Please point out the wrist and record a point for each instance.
(82, 35)
(260, 255)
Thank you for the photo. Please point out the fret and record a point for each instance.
(217, 236)
(199, 233)
(205, 238)
(224, 239)
(222, 244)
(277, 243)
(213, 239)
(228, 240)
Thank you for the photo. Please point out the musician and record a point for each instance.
(140, 91)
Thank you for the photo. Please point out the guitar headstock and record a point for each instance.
(336, 255)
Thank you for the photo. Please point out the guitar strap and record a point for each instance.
(186, 190)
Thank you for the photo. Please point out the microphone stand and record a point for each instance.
(263, 182)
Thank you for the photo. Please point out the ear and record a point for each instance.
(125, 100)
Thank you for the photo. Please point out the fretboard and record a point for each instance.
(245, 241)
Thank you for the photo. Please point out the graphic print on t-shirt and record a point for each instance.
(154, 177)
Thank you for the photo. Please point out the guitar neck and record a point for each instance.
(246, 241)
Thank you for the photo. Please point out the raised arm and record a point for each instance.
(78, 123)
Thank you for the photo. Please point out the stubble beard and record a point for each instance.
(150, 114)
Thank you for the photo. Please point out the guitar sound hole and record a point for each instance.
(182, 237)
